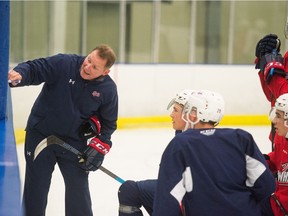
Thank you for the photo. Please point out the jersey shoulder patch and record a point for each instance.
(208, 132)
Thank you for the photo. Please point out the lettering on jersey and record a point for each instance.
(96, 94)
(72, 81)
(284, 167)
(283, 175)
(208, 132)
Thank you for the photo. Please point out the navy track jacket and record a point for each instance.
(66, 100)
(212, 172)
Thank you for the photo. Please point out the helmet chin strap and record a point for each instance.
(192, 124)
(186, 122)
(189, 123)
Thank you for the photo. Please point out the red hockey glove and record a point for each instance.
(100, 146)
(94, 154)
(90, 128)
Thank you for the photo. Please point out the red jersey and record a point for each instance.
(278, 163)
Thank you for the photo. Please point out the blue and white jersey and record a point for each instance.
(212, 172)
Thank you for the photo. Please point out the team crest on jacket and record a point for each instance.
(96, 94)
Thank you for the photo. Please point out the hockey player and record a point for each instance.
(279, 158)
(273, 69)
(75, 90)
(209, 171)
(135, 194)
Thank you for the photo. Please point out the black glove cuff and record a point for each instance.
(269, 58)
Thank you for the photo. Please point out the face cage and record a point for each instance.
(185, 113)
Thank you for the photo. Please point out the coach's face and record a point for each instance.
(93, 66)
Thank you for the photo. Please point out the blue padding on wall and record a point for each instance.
(4, 53)
(10, 185)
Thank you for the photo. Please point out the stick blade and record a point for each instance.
(43, 144)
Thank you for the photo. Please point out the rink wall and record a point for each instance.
(146, 89)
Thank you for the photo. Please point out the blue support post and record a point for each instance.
(10, 190)
(4, 54)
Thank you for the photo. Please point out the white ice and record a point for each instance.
(135, 154)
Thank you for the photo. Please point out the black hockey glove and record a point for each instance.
(90, 128)
(266, 45)
(94, 155)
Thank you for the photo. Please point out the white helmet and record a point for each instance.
(281, 104)
(181, 98)
(208, 105)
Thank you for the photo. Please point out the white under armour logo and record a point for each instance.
(28, 153)
(71, 81)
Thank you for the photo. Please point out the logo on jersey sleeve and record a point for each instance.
(208, 132)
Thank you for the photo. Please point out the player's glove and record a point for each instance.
(90, 128)
(94, 155)
(268, 44)
(272, 64)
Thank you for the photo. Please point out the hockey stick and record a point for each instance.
(55, 140)
(279, 204)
